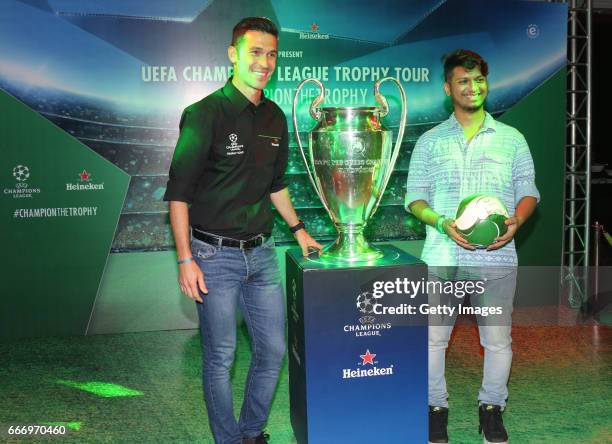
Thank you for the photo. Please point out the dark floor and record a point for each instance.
(149, 387)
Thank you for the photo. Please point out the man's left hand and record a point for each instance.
(513, 224)
(306, 242)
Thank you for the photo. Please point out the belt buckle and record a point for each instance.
(241, 244)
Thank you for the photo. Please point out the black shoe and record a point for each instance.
(492, 424)
(438, 422)
(261, 439)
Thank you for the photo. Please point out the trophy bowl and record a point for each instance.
(349, 161)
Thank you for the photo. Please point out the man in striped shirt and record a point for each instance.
(470, 153)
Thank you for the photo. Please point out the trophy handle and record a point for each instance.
(315, 113)
(400, 133)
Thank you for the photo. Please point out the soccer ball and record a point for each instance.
(480, 219)
(21, 173)
(365, 302)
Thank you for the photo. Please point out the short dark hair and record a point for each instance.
(261, 24)
(465, 58)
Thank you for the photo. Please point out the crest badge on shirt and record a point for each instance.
(234, 148)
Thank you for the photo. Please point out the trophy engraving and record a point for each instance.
(349, 161)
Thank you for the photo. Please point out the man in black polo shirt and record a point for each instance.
(227, 170)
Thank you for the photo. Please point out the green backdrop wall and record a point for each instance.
(90, 98)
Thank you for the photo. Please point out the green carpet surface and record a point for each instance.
(146, 387)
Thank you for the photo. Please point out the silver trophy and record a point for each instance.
(349, 163)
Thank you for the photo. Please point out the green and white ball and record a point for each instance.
(480, 219)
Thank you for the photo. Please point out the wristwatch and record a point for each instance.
(294, 229)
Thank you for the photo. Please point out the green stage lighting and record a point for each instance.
(103, 389)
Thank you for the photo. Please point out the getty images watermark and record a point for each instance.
(448, 296)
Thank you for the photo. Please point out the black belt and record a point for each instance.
(228, 241)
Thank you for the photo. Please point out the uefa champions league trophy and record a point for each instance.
(349, 164)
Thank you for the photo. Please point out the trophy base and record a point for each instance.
(350, 247)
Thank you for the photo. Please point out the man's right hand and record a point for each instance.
(450, 228)
(191, 279)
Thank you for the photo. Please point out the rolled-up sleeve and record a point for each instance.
(192, 150)
(279, 180)
(523, 172)
(417, 184)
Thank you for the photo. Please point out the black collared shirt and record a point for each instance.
(229, 157)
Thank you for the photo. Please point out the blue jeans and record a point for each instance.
(495, 334)
(249, 280)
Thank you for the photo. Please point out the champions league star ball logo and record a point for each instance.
(366, 302)
(233, 148)
(21, 189)
(21, 173)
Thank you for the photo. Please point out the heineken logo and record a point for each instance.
(314, 33)
(368, 367)
(85, 183)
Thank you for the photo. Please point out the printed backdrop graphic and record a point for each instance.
(115, 76)
(60, 206)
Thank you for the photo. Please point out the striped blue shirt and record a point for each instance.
(444, 169)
